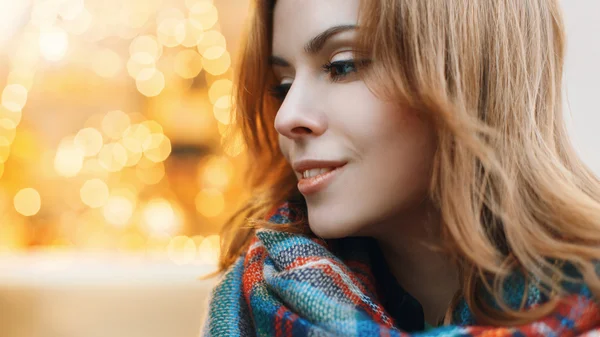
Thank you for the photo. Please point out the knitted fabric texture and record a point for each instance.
(293, 285)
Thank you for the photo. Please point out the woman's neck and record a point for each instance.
(429, 276)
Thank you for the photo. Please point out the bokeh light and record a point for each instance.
(120, 112)
(171, 32)
(54, 43)
(147, 44)
(160, 219)
(89, 141)
(14, 97)
(94, 193)
(113, 157)
(219, 89)
(150, 82)
(204, 14)
(69, 158)
(118, 210)
(28, 202)
(211, 39)
(188, 63)
(115, 123)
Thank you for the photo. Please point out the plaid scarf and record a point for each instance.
(294, 285)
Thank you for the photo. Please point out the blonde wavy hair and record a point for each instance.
(510, 188)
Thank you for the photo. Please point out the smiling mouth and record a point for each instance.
(313, 181)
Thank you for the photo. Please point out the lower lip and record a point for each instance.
(312, 185)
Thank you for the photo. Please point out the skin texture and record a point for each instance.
(382, 190)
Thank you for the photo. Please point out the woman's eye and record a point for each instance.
(339, 69)
(280, 91)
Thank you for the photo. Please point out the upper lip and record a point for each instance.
(308, 164)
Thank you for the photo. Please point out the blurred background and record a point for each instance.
(114, 174)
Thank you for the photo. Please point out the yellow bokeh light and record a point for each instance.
(217, 172)
(106, 63)
(210, 39)
(4, 152)
(218, 66)
(171, 32)
(10, 119)
(115, 123)
(222, 110)
(204, 13)
(151, 175)
(7, 124)
(28, 202)
(139, 62)
(193, 33)
(94, 193)
(54, 43)
(157, 147)
(135, 136)
(132, 158)
(146, 44)
(181, 250)
(160, 219)
(219, 89)
(69, 159)
(113, 157)
(214, 52)
(7, 136)
(118, 210)
(14, 97)
(210, 202)
(150, 82)
(1, 167)
(152, 126)
(208, 251)
(89, 141)
(188, 63)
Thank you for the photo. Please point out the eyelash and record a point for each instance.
(280, 91)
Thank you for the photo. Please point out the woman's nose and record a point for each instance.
(299, 115)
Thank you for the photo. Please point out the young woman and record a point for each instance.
(411, 171)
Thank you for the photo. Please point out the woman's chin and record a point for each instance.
(329, 226)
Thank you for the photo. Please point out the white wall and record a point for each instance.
(582, 77)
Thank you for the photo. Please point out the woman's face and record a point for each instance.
(328, 117)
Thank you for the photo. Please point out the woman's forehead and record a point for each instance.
(296, 22)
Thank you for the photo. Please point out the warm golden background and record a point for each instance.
(111, 124)
(114, 174)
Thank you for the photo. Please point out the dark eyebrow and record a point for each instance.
(315, 44)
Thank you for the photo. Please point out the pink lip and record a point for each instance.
(303, 165)
(312, 185)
